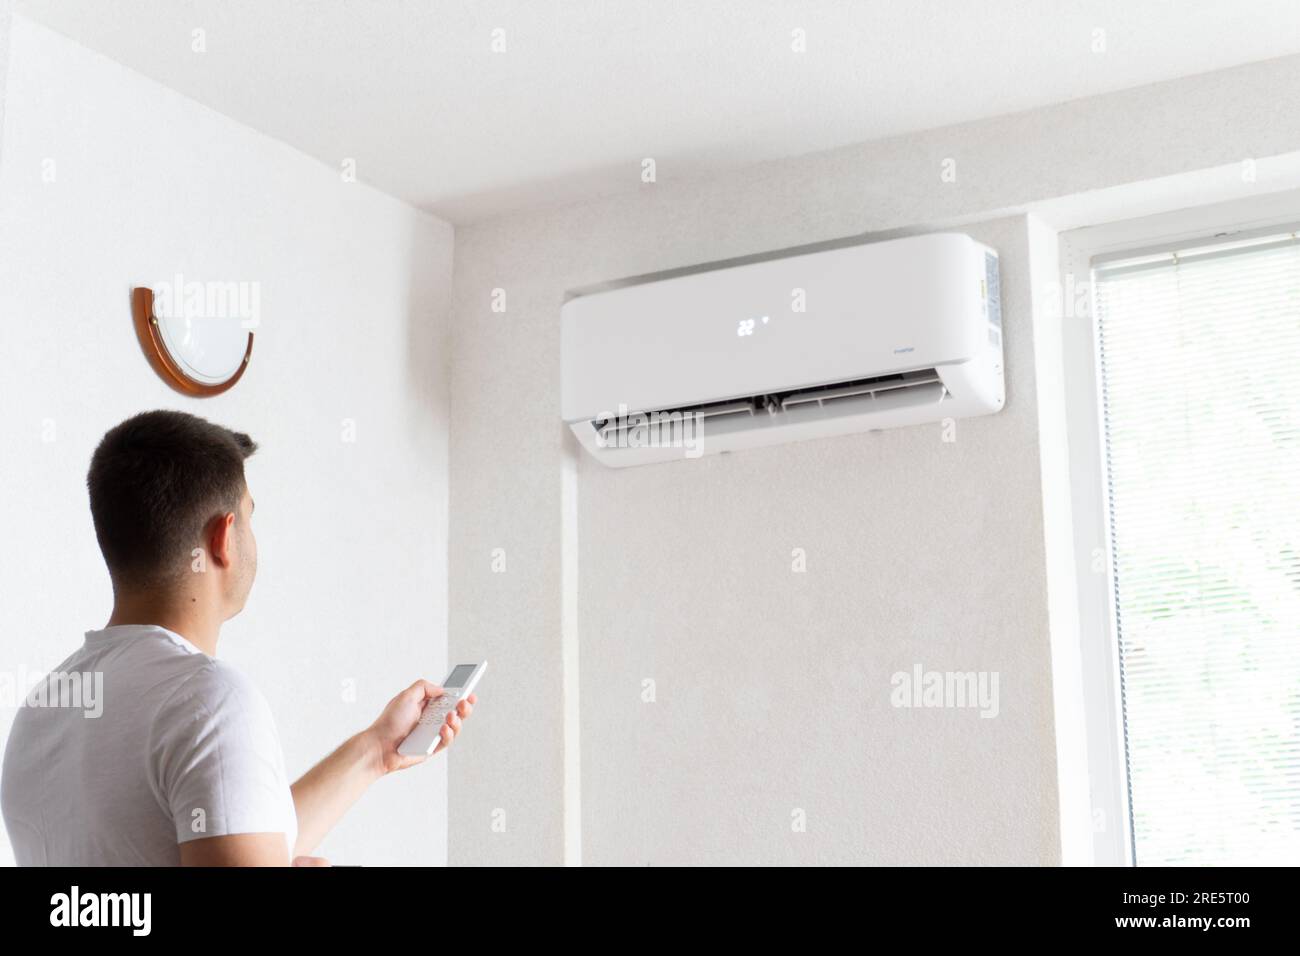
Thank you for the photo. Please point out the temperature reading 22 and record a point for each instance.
(746, 326)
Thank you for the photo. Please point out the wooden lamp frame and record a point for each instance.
(155, 349)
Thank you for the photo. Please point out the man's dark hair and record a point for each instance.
(155, 482)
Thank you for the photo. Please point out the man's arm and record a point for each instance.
(236, 849)
(325, 792)
(243, 849)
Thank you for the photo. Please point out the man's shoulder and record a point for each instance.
(212, 685)
(216, 705)
(161, 665)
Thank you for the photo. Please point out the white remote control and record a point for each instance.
(423, 740)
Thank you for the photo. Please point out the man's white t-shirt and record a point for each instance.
(183, 747)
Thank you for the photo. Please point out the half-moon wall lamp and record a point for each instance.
(197, 357)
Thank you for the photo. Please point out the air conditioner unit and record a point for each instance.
(807, 346)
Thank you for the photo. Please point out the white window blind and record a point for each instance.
(1200, 378)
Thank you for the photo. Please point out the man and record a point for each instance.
(179, 762)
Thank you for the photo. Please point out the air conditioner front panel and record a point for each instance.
(764, 327)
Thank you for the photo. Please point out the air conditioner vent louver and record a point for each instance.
(923, 385)
(864, 386)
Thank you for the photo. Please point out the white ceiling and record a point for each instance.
(412, 90)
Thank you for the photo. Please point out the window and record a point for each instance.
(1199, 353)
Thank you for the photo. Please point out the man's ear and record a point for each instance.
(221, 540)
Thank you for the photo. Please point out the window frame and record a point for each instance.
(1079, 249)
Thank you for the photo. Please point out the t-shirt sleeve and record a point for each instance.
(217, 764)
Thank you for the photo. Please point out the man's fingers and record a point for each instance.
(421, 689)
(465, 707)
(445, 736)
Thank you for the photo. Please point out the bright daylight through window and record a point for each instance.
(1200, 375)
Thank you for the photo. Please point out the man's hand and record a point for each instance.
(324, 792)
(399, 719)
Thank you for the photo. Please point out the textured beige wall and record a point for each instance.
(773, 687)
(6, 16)
(918, 551)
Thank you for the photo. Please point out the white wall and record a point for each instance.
(354, 286)
(681, 570)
